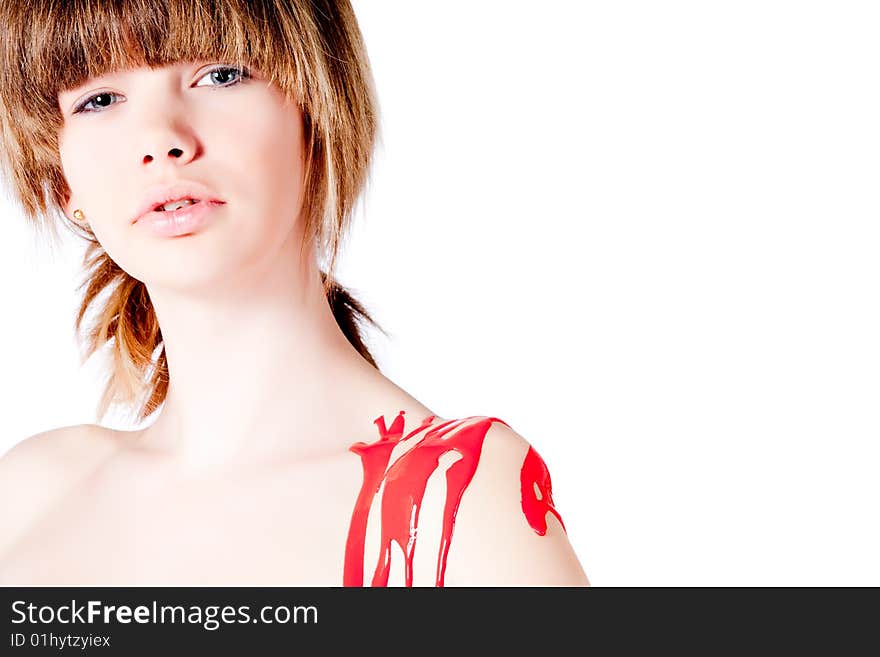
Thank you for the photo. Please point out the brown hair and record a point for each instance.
(312, 49)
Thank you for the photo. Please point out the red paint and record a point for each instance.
(534, 473)
(405, 482)
(374, 458)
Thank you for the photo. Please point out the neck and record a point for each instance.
(255, 368)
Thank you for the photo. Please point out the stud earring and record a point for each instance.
(78, 215)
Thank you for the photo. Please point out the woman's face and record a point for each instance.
(205, 123)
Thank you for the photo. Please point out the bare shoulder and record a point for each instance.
(508, 529)
(37, 469)
(54, 452)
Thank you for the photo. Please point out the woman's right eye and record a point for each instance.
(100, 99)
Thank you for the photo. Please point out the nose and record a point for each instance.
(167, 135)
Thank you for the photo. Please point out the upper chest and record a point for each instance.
(276, 527)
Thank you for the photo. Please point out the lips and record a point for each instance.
(159, 195)
(187, 220)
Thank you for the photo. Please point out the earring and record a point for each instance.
(78, 215)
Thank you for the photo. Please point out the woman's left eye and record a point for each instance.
(220, 71)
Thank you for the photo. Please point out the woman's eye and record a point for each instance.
(100, 99)
(221, 75)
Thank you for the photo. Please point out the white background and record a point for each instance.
(643, 234)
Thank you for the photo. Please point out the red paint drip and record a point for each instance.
(405, 482)
(374, 458)
(534, 473)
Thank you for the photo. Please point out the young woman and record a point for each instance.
(211, 154)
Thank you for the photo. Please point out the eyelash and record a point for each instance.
(243, 74)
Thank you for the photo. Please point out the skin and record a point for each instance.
(246, 476)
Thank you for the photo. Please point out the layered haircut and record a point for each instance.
(312, 49)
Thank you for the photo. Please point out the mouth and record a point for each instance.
(173, 197)
(179, 218)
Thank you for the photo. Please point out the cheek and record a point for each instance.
(95, 173)
(268, 151)
(92, 168)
